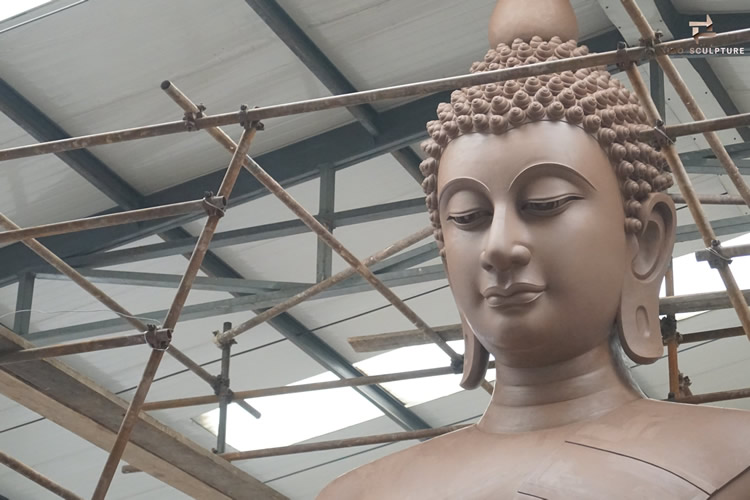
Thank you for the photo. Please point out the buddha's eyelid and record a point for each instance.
(454, 185)
(553, 169)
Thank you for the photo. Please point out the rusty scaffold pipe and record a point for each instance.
(702, 124)
(131, 216)
(682, 179)
(54, 351)
(294, 389)
(331, 445)
(711, 199)
(77, 278)
(310, 221)
(370, 96)
(196, 259)
(38, 478)
(713, 397)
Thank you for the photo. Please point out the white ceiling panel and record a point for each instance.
(42, 189)
(734, 73)
(373, 182)
(69, 461)
(230, 58)
(408, 41)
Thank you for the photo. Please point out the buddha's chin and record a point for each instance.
(514, 337)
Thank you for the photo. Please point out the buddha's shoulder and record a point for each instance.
(706, 445)
(430, 456)
(665, 421)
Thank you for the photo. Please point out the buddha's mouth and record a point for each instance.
(515, 294)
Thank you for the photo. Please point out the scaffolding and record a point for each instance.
(159, 337)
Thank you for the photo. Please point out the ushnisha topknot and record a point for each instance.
(587, 98)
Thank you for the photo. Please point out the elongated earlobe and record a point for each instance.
(476, 358)
(638, 317)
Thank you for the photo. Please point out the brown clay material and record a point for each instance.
(553, 225)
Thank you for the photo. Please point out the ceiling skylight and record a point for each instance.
(691, 276)
(417, 391)
(293, 418)
(10, 8)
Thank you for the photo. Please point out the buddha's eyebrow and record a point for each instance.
(555, 169)
(456, 183)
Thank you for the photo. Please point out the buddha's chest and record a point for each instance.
(560, 470)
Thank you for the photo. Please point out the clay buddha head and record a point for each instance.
(549, 212)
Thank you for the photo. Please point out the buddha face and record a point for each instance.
(535, 249)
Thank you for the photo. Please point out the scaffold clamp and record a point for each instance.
(246, 123)
(715, 258)
(190, 117)
(660, 136)
(214, 206)
(158, 338)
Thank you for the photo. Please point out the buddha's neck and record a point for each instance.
(575, 390)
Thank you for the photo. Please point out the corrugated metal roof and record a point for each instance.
(97, 66)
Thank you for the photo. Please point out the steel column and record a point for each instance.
(24, 301)
(222, 392)
(324, 266)
(656, 80)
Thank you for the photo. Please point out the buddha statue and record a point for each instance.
(556, 233)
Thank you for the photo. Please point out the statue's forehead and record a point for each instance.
(503, 156)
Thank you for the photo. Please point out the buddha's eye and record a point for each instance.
(469, 219)
(550, 206)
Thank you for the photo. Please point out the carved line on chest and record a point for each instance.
(564, 473)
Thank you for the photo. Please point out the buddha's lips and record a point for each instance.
(515, 294)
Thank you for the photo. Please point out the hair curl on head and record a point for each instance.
(588, 98)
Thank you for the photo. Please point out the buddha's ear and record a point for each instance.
(638, 317)
(476, 357)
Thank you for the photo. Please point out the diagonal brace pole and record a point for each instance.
(694, 205)
(39, 479)
(196, 259)
(270, 183)
(670, 70)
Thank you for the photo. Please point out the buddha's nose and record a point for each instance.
(506, 245)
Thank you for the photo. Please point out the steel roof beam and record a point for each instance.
(300, 162)
(184, 244)
(276, 18)
(290, 165)
(240, 303)
(43, 129)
